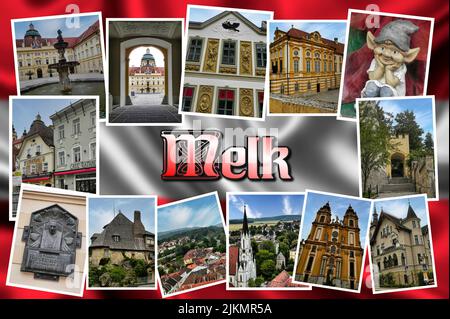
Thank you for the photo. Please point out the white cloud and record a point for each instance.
(182, 216)
(239, 204)
(287, 207)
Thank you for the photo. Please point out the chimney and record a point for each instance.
(336, 40)
(263, 25)
(138, 227)
(137, 216)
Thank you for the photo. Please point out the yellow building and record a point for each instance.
(397, 165)
(34, 53)
(148, 78)
(304, 63)
(332, 253)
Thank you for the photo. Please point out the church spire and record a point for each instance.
(411, 212)
(374, 216)
(245, 221)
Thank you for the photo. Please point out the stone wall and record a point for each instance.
(423, 176)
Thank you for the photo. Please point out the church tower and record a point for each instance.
(246, 268)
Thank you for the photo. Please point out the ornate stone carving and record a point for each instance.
(205, 99)
(192, 67)
(228, 69)
(246, 58)
(260, 72)
(51, 240)
(246, 102)
(212, 52)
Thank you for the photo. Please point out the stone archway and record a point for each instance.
(39, 73)
(127, 46)
(398, 165)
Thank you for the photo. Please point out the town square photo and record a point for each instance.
(305, 66)
(225, 63)
(401, 247)
(191, 244)
(144, 63)
(60, 55)
(387, 55)
(53, 142)
(332, 241)
(262, 240)
(397, 153)
(48, 251)
(122, 242)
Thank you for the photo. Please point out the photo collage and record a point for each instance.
(225, 63)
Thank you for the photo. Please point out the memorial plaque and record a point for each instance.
(51, 240)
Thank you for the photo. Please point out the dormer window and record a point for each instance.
(116, 238)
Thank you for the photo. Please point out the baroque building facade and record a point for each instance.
(35, 53)
(242, 261)
(34, 160)
(147, 78)
(75, 150)
(225, 66)
(400, 249)
(304, 63)
(332, 253)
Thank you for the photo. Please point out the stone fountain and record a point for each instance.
(63, 66)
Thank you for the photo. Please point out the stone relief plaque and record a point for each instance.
(51, 241)
(246, 102)
(205, 98)
(246, 58)
(212, 52)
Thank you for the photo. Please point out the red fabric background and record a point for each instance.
(284, 9)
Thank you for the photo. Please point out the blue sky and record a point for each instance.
(198, 212)
(422, 108)
(47, 28)
(399, 207)
(101, 211)
(328, 30)
(25, 111)
(200, 15)
(264, 205)
(338, 206)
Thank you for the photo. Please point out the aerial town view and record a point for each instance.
(191, 247)
(263, 232)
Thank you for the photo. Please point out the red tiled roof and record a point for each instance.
(72, 41)
(299, 34)
(91, 30)
(134, 69)
(234, 256)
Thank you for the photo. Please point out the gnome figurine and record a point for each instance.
(391, 51)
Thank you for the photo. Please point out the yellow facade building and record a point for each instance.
(331, 254)
(397, 165)
(147, 78)
(35, 53)
(304, 63)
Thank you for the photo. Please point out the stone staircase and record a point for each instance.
(398, 185)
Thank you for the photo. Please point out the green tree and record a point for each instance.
(267, 245)
(428, 144)
(375, 127)
(259, 281)
(407, 124)
(261, 256)
(267, 269)
(284, 249)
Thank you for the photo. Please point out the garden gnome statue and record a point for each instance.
(391, 51)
